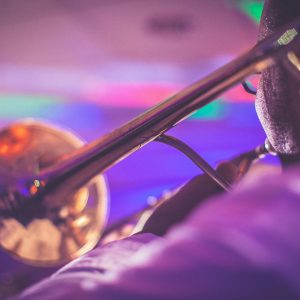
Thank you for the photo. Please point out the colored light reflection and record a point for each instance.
(238, 93)
(214, 111)
(79, 116)
(13, 141)
(253, 9)
(22, 105)
(136, 95)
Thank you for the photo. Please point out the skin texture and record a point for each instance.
(278, 96)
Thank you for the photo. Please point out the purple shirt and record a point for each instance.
(242, 245)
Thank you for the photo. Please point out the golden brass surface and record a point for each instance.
(48, 231)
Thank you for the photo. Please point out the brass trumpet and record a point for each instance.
(52, 200)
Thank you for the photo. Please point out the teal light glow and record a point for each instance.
(14, 106)
(213, 111)
(252, 8)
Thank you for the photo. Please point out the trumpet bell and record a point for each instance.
(45, 231)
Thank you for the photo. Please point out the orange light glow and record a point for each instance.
(4, 149)
(14, 140)
(19, 132)
(33, 190)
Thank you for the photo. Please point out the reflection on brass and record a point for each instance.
(52, 207)
(294, 59)
(79, 201)
(50, 230)
(14, 140)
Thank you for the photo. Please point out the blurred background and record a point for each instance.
(92, 65)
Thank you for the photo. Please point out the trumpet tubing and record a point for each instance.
(47, 181)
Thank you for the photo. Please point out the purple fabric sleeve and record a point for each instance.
(243, 245)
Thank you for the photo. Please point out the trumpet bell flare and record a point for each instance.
(67, 228)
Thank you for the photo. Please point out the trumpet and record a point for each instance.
(53, 202)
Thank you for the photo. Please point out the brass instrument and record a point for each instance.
(52, 200)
